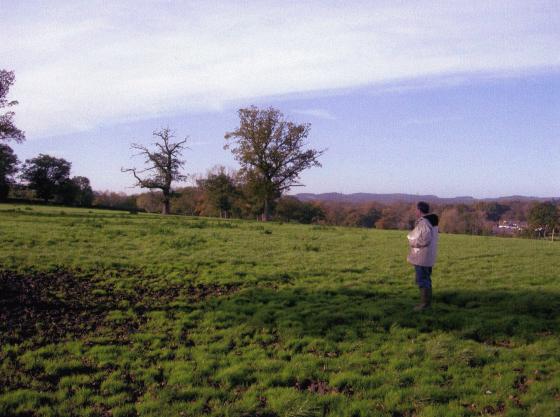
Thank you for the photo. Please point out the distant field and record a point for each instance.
(108, 313)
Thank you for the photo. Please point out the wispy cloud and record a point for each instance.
(430, 121)
(199, 143)
(318, 113)
(81, 64)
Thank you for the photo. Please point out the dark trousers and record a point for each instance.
(423, 276)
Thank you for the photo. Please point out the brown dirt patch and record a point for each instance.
(48, 307)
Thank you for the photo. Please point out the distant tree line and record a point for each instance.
(272, 154)
(219, 194)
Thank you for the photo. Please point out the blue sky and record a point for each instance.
(454, 98)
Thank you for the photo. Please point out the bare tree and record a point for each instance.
(163, 165)
(271, 152)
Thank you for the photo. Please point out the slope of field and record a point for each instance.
(114, 314)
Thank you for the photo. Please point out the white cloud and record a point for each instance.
(318, 113)
(82, 64)
(431, 120)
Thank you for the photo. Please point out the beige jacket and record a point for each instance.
(423, 241)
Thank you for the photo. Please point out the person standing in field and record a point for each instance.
(423, 240)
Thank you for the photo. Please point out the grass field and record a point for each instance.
(114, 314)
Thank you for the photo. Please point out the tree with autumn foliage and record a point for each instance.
(272, 153)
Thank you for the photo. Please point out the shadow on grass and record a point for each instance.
(493, 317)
(57, 306)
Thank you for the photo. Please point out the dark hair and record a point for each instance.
(423, 207)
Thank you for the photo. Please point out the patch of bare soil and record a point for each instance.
(49, 307)
(315, 386)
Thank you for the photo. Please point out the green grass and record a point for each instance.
(109, 313)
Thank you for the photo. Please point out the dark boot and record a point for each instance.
(429, 297)
(425, 299)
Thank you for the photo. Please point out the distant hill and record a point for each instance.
(405, 198)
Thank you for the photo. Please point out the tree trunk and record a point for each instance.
(166, 209)
(266, 210)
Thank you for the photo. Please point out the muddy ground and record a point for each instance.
(46, 308)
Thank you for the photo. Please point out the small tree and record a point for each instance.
(164, 165)
(8, 130)
(85, 193)
(544, 218)
(493, 210)
(187, 201)
(46, 175)
(220, 190)
(76, 191)
(67, 193)
(368, 216)
(8, 168)
(111, 199)
(290, 208)
(271, 152)
(149, 202)
(390, 218)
